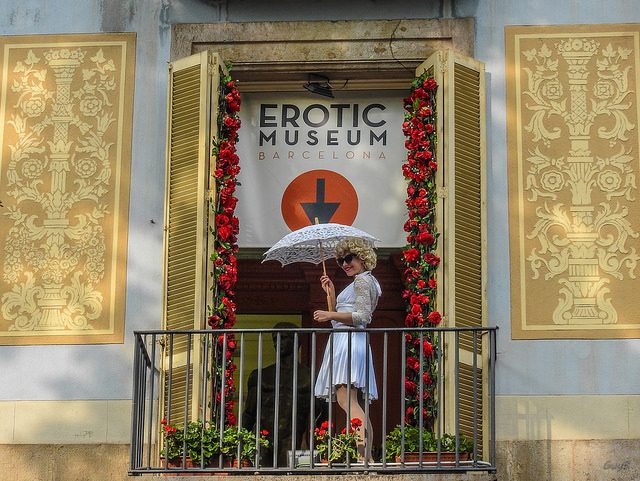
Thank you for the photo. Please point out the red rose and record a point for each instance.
(424, 154)
(425, 238)
(231, 418)
(429, 84)
(409, 320)
(411, 255)
(432, 259)
(224, 232)
(419, 299)
(413, 363)
(221, 220)
(435, 317)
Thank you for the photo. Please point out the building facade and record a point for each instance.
(561, 152)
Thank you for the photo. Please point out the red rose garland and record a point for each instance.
(225, 247)
(419, 255)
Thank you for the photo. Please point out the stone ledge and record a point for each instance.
(516, 461)
(360, 49)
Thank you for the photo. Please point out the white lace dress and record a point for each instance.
(360, 298)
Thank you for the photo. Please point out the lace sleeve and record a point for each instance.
(365, 301)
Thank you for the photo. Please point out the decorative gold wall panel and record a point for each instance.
(572, 124)
(66, 120)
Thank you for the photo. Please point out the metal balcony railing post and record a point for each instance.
(136, 409)
(475, 396)
(492, 394)
(276, 407)
(385, 374)
(457, 395)
(312, 402)
(294, 400)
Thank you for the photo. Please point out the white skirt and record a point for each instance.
(340, 373)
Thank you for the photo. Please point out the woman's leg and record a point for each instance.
(342, 395)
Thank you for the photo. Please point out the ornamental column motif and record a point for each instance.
(584, 281)
(64, 65)
(582, 244)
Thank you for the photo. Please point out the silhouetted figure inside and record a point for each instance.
(286, 399)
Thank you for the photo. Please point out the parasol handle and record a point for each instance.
(324, 269)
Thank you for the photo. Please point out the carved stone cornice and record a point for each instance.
(361, 51)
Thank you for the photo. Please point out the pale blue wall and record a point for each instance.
(539, 367)
(104, 372)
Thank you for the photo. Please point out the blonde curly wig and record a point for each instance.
(360, 248)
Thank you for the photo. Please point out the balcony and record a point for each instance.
(182, 379)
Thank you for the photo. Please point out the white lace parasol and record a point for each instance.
(315, 243)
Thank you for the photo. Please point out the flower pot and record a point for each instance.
(232, 462)
(447, 458)
(188, 464)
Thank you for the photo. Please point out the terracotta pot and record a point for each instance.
(233, 463)
(189, 464)
(431, 457)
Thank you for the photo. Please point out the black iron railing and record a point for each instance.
(182, 392)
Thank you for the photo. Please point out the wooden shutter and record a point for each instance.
(193, 88)
(461, 220)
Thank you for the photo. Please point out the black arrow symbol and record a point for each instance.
(322, 210)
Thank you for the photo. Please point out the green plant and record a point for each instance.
(393, 442)
(336, 447)
(235, 437)
(201, 441)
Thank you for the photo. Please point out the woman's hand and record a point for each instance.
(327, 286)
(322, 316)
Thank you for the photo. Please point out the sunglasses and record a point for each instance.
(348, 258)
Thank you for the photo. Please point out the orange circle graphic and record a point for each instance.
(319, 193)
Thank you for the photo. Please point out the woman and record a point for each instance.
(351, 309)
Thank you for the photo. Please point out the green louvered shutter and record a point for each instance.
(461, 222)
(192, 124)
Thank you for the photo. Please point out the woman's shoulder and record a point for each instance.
(366, 279)
(366, 276)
